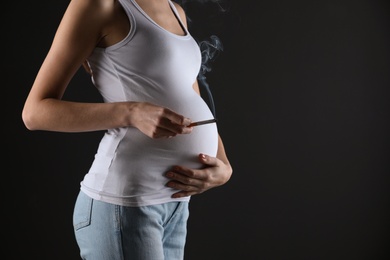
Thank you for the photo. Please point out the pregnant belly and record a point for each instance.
(131, 167)
(140, 162)
(181, 149)
(129, 163)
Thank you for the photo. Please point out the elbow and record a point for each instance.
(230, 173)
(28, 119)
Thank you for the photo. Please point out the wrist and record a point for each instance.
(128, 111)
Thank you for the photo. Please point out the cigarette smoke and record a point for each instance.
(209, 49)
(209, 46)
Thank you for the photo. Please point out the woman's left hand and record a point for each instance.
(195, 181)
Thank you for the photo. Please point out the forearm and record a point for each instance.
(65, 116)
(221, 155)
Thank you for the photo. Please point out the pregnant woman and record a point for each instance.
(133, 201)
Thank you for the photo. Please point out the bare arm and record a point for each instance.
(79, 32)
(85, 25)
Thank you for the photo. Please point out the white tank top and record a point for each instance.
(152, 65)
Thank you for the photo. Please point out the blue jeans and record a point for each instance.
(106, 231)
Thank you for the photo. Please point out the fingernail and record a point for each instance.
(187, 121)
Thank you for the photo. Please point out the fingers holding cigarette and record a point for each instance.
(203, 122)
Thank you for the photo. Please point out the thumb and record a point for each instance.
(206, 159)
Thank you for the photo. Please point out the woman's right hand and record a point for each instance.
(158, 122)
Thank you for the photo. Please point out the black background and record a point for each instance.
(302, 97)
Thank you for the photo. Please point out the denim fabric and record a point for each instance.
(106, 231)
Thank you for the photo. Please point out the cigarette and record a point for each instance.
(203, 122)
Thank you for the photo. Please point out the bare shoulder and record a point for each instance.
(96, 8)
(101, 10)
(100, 17)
